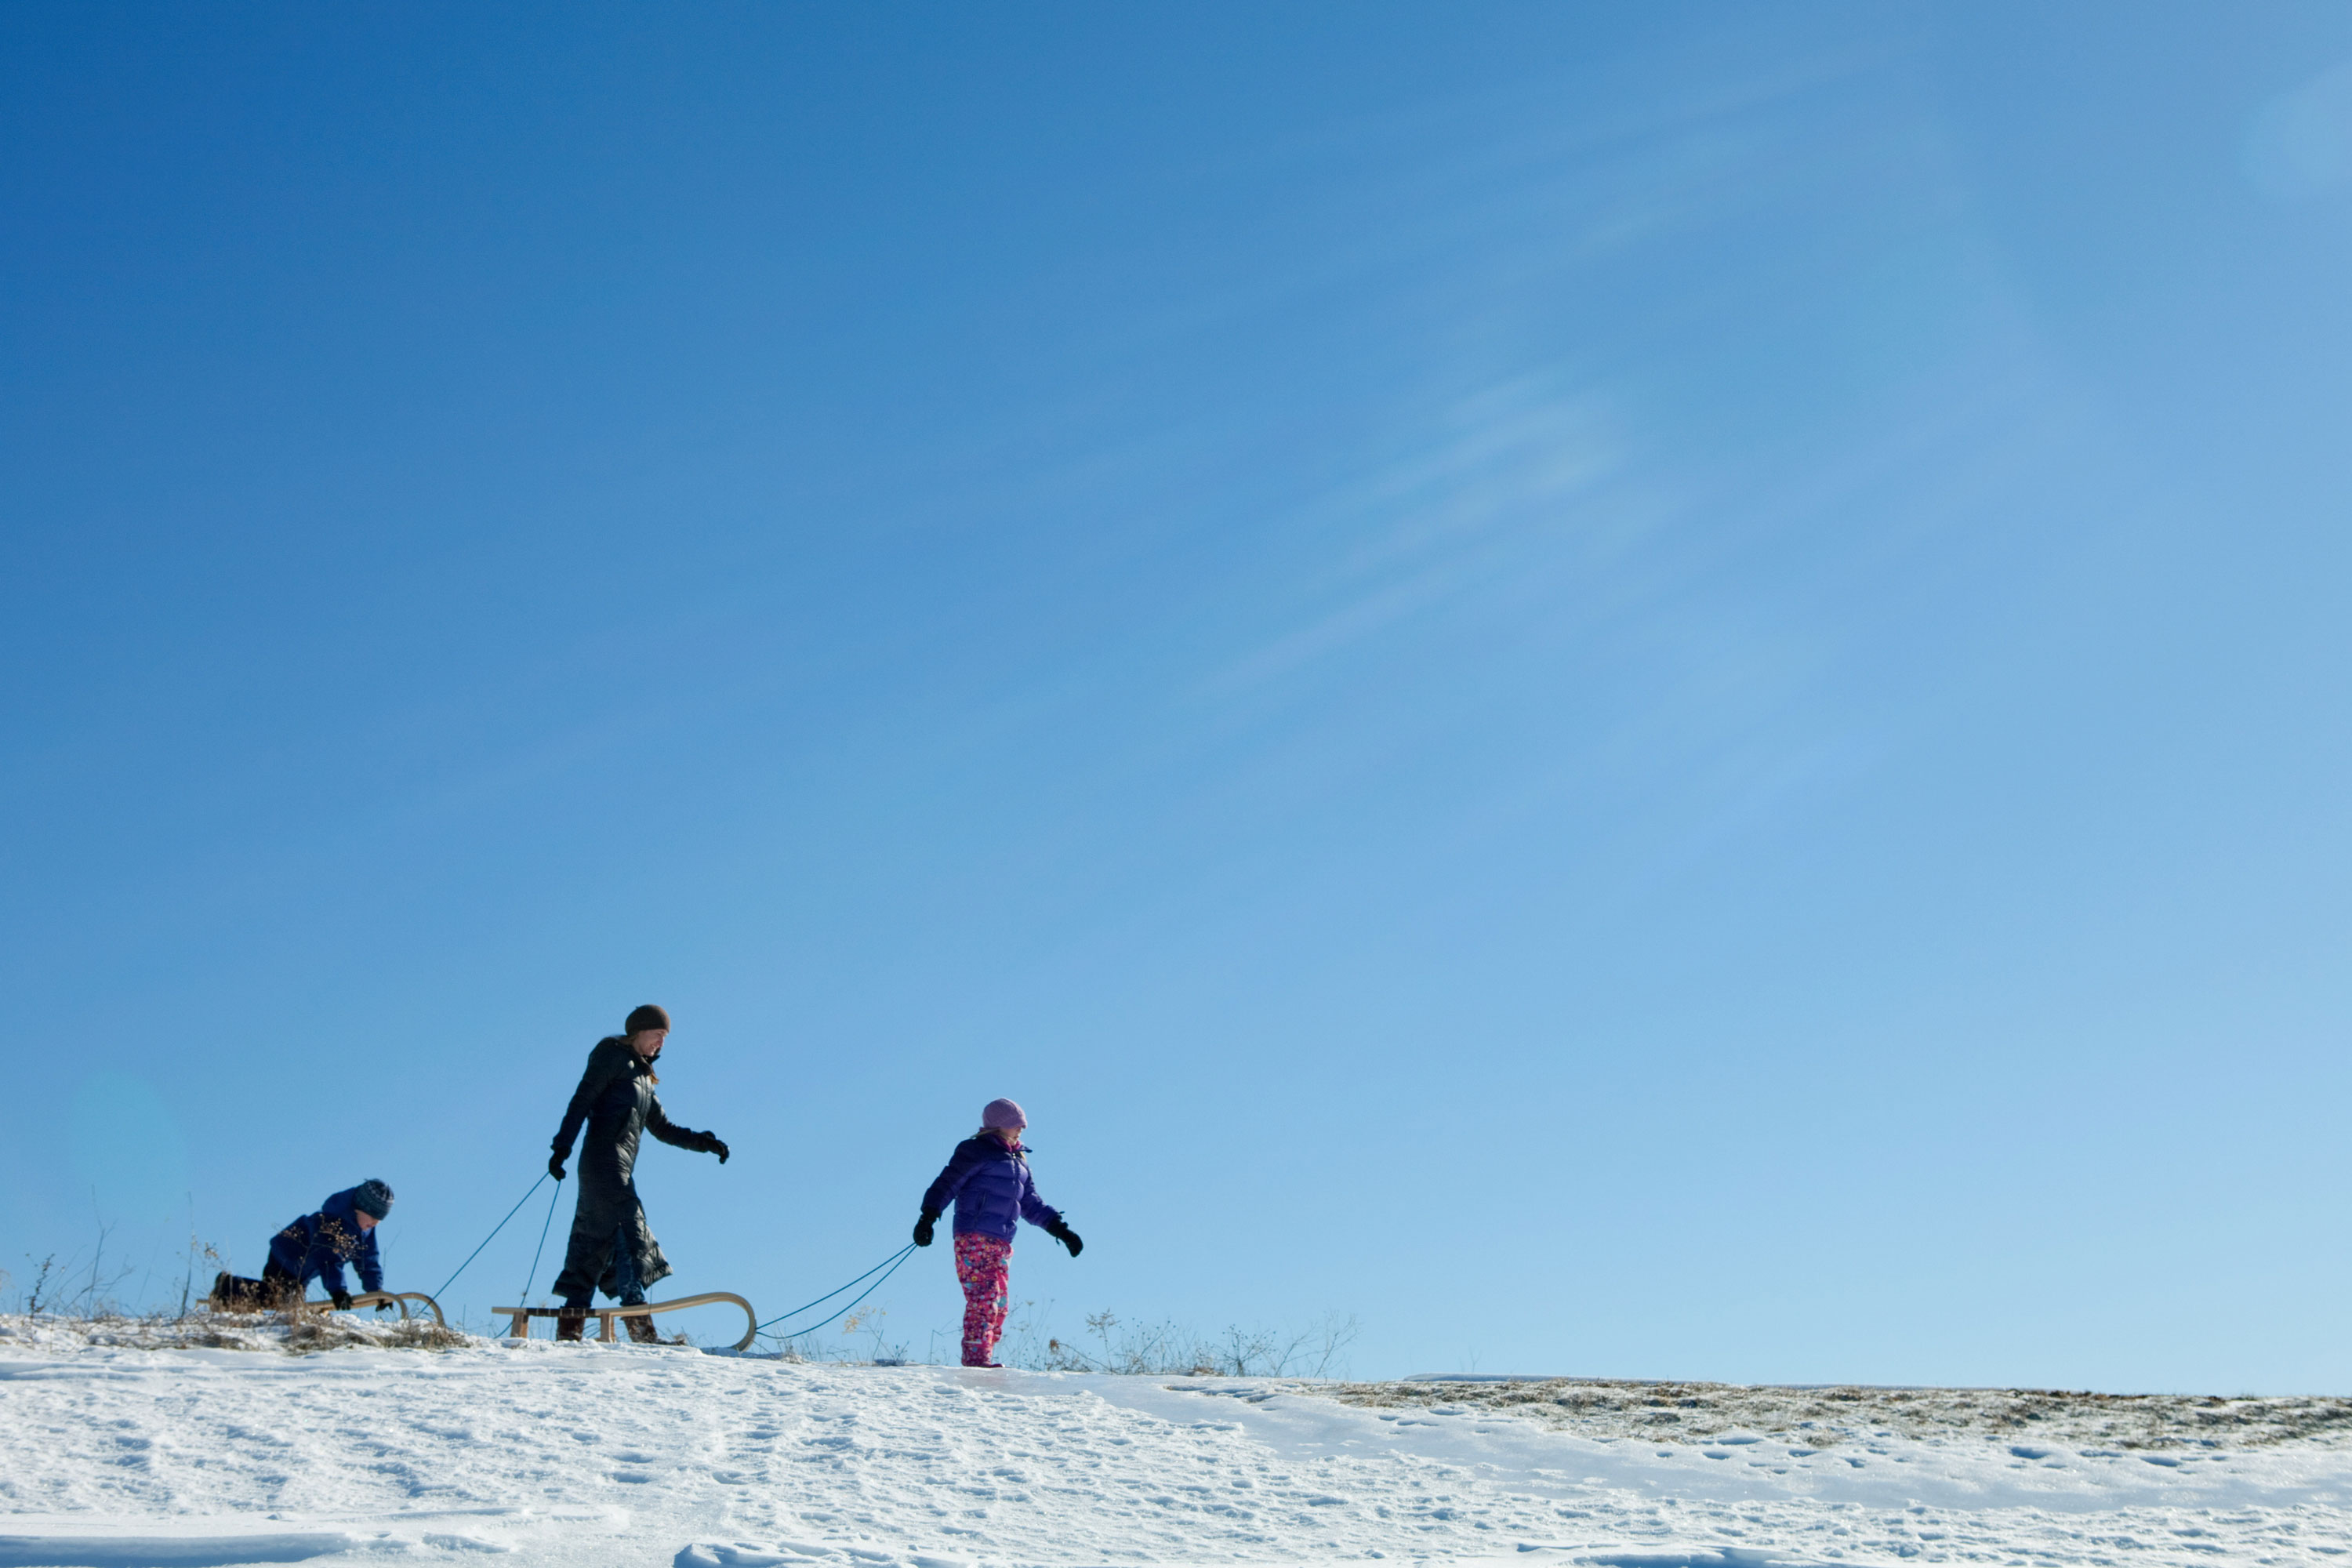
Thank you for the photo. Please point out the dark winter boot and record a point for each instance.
(569, 1324)
(641, 1330)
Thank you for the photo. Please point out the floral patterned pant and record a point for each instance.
(981, 1269)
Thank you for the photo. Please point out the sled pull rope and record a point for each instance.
(887, 1266)
(552, 1199)
(902, 1257)
(494, 1236)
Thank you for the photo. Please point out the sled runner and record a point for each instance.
(400, 1299)
(520, 1317)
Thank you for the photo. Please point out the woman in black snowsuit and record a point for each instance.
(613, 1248)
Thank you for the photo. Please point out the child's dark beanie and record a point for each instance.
(372, 1197)
(645, 1018)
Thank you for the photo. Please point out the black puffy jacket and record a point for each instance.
(616, 1101)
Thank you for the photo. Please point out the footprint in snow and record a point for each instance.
(465, 1544)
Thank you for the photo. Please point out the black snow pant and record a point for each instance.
(613, 1266)
(274, 1292)
(611, 1247)
(620, 1269)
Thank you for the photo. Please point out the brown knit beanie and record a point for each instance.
(645, 1018)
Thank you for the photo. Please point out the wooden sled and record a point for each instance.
(400, 1299)
(519, 1317)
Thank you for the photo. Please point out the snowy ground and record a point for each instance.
(121, 1454)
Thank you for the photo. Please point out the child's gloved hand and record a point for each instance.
(555, 1167)
(923, 1228)
(1066, 1236)
(341, 1298)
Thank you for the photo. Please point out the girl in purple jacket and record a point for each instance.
(988, 1180)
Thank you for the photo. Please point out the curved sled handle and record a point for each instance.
(750, 1318)
(400, 1299)
(519, 1318)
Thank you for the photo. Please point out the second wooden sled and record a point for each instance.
(519, 1318)
(400, 1299)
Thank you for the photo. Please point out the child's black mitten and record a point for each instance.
(1066, 1236)
(341, 1298)
(923, 1228)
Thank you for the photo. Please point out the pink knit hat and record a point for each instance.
(1003, 1113)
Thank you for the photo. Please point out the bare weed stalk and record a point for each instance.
(1167, 1349)
(37, 1297)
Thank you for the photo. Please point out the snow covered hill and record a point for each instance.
(115, 1455)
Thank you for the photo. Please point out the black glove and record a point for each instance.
(923, 1228)
(1066, 1236)
(382, 1307)
(555, 1164)
(341, 1298)
(713, 1144)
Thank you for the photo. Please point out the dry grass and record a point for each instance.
(296, 1334)
(1821, 1418)
(1159, 1349)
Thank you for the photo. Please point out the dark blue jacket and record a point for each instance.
(992, 1190)
(317, 1246)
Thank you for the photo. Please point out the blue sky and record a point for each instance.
(1645, 692)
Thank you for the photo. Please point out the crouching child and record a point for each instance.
(316, 1247)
